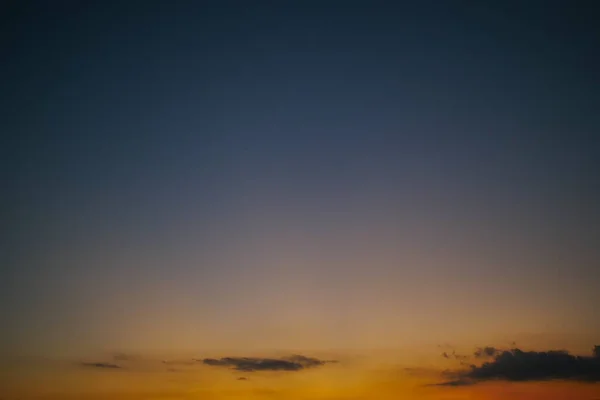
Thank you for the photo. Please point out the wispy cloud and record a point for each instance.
(454, 356)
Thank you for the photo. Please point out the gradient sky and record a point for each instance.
(194, 176)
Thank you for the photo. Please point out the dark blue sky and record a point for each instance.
(157, 141)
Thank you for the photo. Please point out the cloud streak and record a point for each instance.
(252, 364)
(100, 365)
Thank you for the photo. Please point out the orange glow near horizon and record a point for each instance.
(367, 376)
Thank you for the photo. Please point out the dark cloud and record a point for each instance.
(486, 352)
(251, 364)
(100, 365)
(518, 365)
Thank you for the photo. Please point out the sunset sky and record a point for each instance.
(300, 200)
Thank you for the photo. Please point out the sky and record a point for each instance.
(389, 185)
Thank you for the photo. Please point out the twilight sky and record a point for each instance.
(298, 175)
